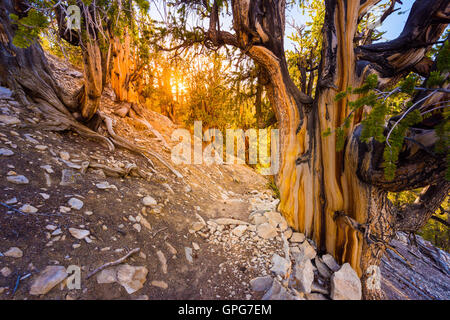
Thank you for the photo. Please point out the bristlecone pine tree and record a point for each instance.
(333, 187)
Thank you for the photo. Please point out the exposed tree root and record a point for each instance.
(130, 169)
(139, 150)
(114, 263)
(57, 121)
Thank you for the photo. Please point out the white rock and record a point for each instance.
(266, 231)
(105, 185)
(48, 279)
(107, 276)
(64, 155)
(137, 227)
(41, 147)
(304, 275)
(197, 226)
(160, 284)
(330, 262)
(51, 227)
(172, 250)
(188, 252)
(228, 221)
(57, 232)
(79, 233)
(261, 283)
(149, 201)
(75, 203)
(26, 208)
(163, 260)
(305, 252)
(6, 152)
(48, 169)
(195, 246)
(11, 201)
(258, 219)
(9, 120)
(297, 237)
(278, 292)
(345, 284)
(131, 278)
(274, 218)
(288, 233)
(6, 272)
(18, 179)
(280, 265)
(239, 230)
(45, 196)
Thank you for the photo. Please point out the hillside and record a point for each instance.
(67, 200)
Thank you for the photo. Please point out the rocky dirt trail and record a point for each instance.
(68, 202)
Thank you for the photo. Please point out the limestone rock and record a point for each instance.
(6, 272)
(227, 221)
(197, 226)
(26, 208)
(261, 283)
(172, 250)
(79, 233)
(48, 279)
(315, 296)
(149, 201)
(258, 219)
(64, 155)
(304, 275)
(13, 252)
(278, 292)
(163, 260)
(131, 278)
(18, 179)
(306, 252)
(288, 233)
(9, 120)
(107, 276)
(266, 231)
(160, 284)
(75, 203)
(280, 265)
(330, 262)
(188, 252)
(345, 284)
(6, 152)
(274, 218)
(105, 186)
(324, 271)
(297, 237)
(239, 230)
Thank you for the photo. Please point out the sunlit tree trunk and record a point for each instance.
(123, 69)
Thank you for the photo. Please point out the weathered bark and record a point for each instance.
(26, 71)
(123, 69)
